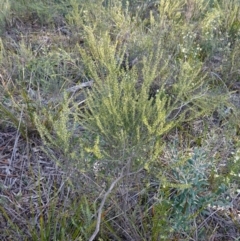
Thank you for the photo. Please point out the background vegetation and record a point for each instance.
(119, 120)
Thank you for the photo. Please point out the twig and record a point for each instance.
(80, 86)
(101, 207)
(100, 210)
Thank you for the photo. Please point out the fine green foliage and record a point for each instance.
(126, 116)
(121, 109)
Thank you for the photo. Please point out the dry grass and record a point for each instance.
(33, 188)
(30, 182)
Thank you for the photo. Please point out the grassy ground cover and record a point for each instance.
(120, 120)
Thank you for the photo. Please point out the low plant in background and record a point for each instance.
(190, 191)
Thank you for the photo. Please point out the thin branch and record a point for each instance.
(100, 210)
(101, 207)
(80, 86)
